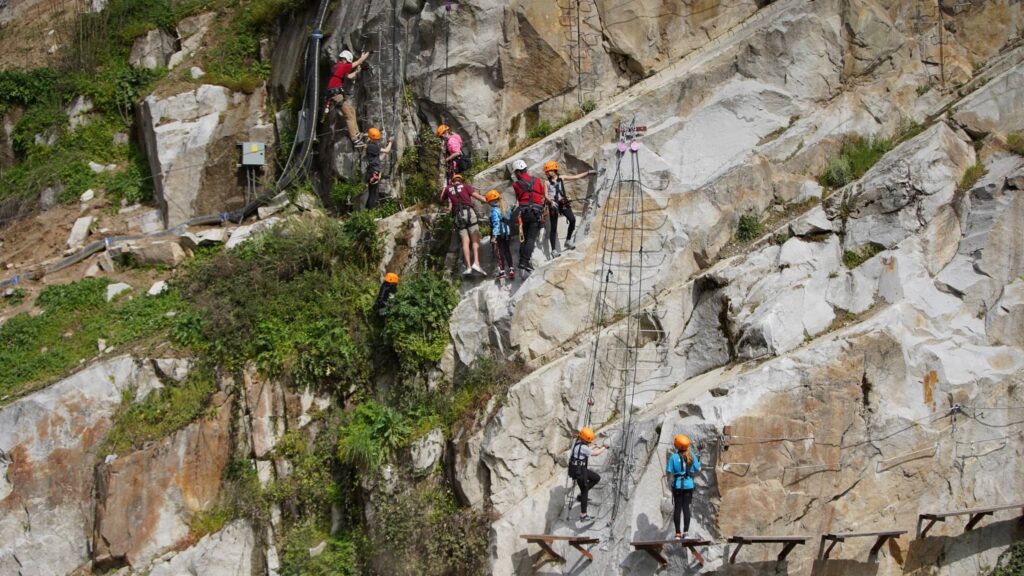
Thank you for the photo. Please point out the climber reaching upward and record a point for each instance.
(561, 204)
(680, 469)
(579, 460)
(340, 90)
(454, 161)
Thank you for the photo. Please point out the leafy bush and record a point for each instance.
(854, 258)
(24, 88)
(74, 316)
(234, 62)
(540, 130)
(361, 232)
(338, 559)
(588, 106)
(421, 530)
(417, 320)
(855, 158)
(371, 435)
(748, 228)
(923, 89)
(344, 192)
(1015, 142)
(133, 184)
(37, 120)
(295, 300)
(971, 177)
(162, 413)
(419, 190)
(16, 297)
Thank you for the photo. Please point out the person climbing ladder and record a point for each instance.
(579, 460)
(340, 92)
(454, 161)
(680, 469)
(373, 170)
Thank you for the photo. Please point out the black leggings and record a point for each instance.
(503, 253)
(565, 210)
(586, 482)
(681, 500)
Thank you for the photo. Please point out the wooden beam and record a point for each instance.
(582, 550)
(975, 518)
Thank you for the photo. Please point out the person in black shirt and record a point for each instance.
(373, 155)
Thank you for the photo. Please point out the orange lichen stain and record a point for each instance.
(889, 263)
(929, 382)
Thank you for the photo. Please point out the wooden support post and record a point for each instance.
(735, 551)
(549, 551)
(582, 550)
(827, 551)
(786, 550)
(654, 550)
(696, 553)
(931, 522)
(879, 543)
(975, 518)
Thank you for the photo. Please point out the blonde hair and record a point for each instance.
(685, 454)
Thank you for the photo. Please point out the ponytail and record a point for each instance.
(688, 457)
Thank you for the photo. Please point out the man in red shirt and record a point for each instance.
(531, 196)
(340, 92)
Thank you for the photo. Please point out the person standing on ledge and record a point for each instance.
(579, 461)
(680, 469)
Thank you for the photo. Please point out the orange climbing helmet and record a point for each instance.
(458, 178)
(682, 442)
(551, 166)
(373, 134)
(441, 130)
(492, 195)
(587, 435)
(391, 278)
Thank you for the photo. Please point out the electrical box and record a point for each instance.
(254, 153)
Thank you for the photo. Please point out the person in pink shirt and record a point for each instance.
(454, 161)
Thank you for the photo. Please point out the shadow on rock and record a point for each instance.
(926, 553)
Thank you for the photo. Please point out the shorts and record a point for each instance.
(466, 221)
(465, 232)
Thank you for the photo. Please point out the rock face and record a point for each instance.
(48, 441)
(230, 552)
(144, 499)
(839, 370)
(152, 50)
(191, 141)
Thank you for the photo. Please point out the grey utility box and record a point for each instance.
(254, 153)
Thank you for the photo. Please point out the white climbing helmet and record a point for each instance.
(345, 55)
(519, 165)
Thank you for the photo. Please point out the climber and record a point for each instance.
(373, 154)
(454, 161)
(501, 235)
(340, 92)
(387, 289)
(680, 469)
(530, 195)
(579, 459)
(560, 204)
(460, 195)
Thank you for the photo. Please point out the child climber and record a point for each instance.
(501, 235)
(579, 460)
(680, 469)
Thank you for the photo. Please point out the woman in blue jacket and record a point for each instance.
(680, 469)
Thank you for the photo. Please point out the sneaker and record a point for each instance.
(680, 535)
(586, 517)
(501, 275)
(467, 272)
(525, 267)
(570, 245)
(511, 274)
(476, 268)
(555, 253)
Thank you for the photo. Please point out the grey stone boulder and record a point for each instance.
(426, 451)
(152, 50)
(167, 253)
(228, 552)
(113, 290)
(79, 232)
(1005, 321)
(244, 233)
(997, 108)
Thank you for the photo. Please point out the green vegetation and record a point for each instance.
(1011, 561)
(588, 106)
(540, 130)
(235, 60)
(1015, 143)
(339, 558)
(16, 297)
(162, 413)
(749, 228)
(855, 158)
(923, 89)
(971, 177)
(372, 433)
(37, 349)
(854, 258)
(420, 164)
(417, 320)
